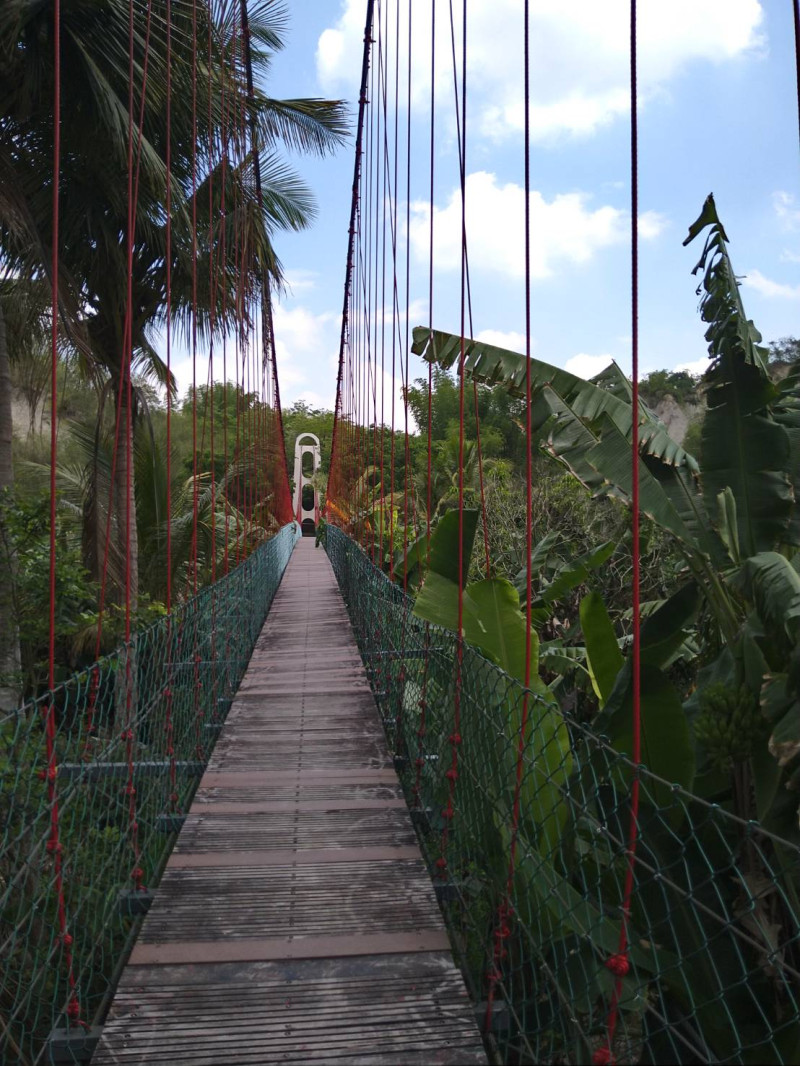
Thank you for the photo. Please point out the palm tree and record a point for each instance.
(215, 211)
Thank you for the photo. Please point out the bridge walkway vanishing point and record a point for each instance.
(295, 921)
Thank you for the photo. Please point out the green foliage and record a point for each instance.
(25, 556)
(785, 350)
(712, 931)
(734, 520)
(679, 384)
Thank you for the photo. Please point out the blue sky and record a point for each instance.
(717, 113)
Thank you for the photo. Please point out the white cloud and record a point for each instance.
(789, 257)
(651, 225)
(699, 366)
(307, 349)
(786, 209)
(564, 229)
(300, 280)
(579, 55)
(513, 341)
(586, 366)
(773, 290)
(323, 400)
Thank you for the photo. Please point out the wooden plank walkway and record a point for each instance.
(296, 921)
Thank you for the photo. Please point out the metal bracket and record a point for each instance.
(501, 1016)
(72, 1045)
(446, 891)
(170, 823)
(91, 771)
(134, 904)
(421, 818)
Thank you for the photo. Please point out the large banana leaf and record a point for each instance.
(587, 426)
(493, 623)
(773, 584)
(666, 745)
(602, 650)
(745, 449)
(589, 400)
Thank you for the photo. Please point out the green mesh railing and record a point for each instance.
(715, 955)
(186, 670)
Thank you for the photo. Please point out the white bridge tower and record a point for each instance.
(306, 497)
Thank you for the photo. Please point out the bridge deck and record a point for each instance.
(295, 921)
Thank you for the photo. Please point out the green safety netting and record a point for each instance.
(186, 670)
(715, 949)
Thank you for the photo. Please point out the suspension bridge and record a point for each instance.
(325, 810)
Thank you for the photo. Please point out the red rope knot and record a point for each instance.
(618, 965)
(130, 790)
(74, 1009)
(502, 932)
(170, 751)
(54, 847)
(168, 692)
(603, 1057)
(455, 739)
(127, 734)
(448, 812)
(173, 797)
(422, 704)
(494, 976)
(452, 775)
(441, 863)
(134, 828)
(67, 940)
(50, 774)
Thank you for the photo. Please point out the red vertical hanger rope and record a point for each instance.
(132, 207)
(505, 910)
(169, 727)
(455, 737)
(54, 846)
(619, 964)
(407, 338)
(429, 453)
(347, 339)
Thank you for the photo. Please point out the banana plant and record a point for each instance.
(491, 621)
(736, 520)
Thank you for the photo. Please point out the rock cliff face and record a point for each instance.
(677, 417)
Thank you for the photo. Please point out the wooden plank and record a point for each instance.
(266, 949)
(301, 778)
(299, 856)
